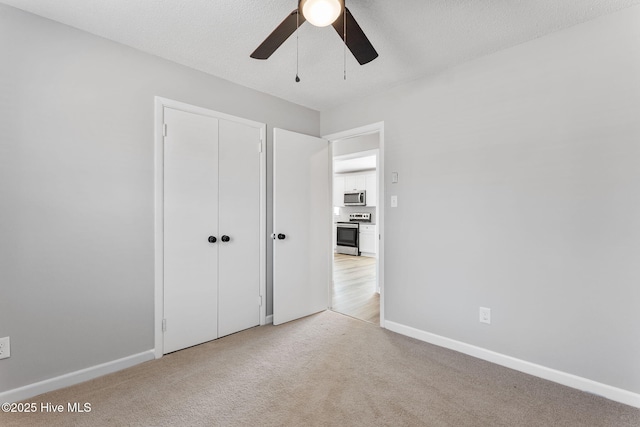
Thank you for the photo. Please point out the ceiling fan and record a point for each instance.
(321, 13)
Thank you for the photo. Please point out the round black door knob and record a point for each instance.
(212, 239)
(225, 238)
(281, 236)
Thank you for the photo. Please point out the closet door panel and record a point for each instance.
(239, 219)
(190, 217)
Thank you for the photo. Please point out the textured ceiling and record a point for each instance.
(413, 37)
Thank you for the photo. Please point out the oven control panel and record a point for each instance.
(360, 217)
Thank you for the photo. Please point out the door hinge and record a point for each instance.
(259, 147)
(164, 129)
(164, 325)
(260, 301)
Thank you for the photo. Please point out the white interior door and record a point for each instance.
(239, 257)
(301, 224)
(190, 217)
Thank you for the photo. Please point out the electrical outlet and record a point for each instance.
(4, 348)
(485, 315)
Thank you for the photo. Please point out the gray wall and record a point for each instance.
(76, 190)
(523, 168)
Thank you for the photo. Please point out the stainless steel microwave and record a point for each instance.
(355, 198)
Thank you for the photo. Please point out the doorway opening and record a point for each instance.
(357, 210)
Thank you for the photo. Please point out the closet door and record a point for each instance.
(239, 219)
(190, 218)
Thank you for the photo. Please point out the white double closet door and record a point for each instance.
(211, 228)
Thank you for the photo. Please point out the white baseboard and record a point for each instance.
(76, 377)
(269, 319)
(569, 380)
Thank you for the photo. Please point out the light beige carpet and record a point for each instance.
(327, 369)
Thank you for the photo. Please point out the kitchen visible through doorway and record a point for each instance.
(355, 289)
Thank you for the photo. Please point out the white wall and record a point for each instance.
(520, 191)
(76, 190)
(356, 144)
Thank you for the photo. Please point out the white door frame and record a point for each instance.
(364, 130)
(160, 104)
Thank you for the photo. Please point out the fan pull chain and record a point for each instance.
(297, 43)
(344, 36)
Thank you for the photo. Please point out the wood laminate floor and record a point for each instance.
(354, 287)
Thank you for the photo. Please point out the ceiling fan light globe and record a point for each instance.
(321, 12)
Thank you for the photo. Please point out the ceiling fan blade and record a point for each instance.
(278, 36)
(357, 42)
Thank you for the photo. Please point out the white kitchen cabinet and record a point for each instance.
(371, 186)
(338, 190)
(367, 239)
(354, 182)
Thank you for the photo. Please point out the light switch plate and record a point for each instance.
(5, 350)
(485, 315)
(394, 201)
(394, 177)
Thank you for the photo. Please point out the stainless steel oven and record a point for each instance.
(347, 234)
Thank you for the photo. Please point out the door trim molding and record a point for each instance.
(159, 104)
(360, 131)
